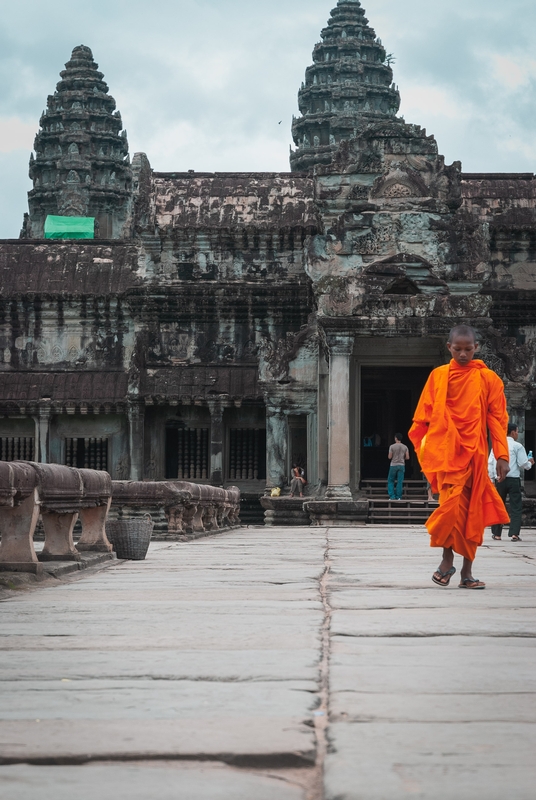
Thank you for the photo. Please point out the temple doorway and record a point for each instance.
(389, 396)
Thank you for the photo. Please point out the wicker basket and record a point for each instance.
(130, 537)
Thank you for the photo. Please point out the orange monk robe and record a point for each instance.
(458, 406)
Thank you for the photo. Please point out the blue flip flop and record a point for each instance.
(448, 575)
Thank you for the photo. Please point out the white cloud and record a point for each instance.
(437, 100)
(511, 72)
(16, 134)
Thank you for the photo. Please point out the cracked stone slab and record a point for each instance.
(422, 622)
(386, 760)
(435, 665)
(252, 740)
(432, 690)
(503, 706)
(162, 780)
(238, 666)
(145, 699)
(207, 650)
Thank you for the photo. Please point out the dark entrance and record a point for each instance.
(389, 396)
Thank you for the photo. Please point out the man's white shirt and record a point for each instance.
(518, 460)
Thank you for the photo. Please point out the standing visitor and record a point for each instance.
(398, 455)
(512, 485)
(461, 402)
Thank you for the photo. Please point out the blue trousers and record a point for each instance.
(396, 475)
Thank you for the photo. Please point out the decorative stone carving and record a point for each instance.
(398, 190)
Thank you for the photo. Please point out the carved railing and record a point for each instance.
(62, 494)
(190, 508)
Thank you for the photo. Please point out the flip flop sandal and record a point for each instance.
(497, 538)
(516, 538)
(471, 583)
(448, 575)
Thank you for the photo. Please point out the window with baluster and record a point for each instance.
(247, 454)
(87, 452)
(17, 448)
(187, 454)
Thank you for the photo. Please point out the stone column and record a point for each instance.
(136, 439)
(42, 429)
(322, 419)
(216, 443)
(276, 447)
(517, 398)
(340, 352)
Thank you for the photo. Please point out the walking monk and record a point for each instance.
(462, 402)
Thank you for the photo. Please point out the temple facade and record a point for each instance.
(221, 327)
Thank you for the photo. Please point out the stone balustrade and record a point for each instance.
(60, 495)
(190, 508)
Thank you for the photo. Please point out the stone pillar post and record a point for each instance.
(517, 398)
(340, 352)
(216, 443)
(136, 440)
(42, 429)
(322, 419)
(276, 447)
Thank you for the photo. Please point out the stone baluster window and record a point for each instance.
(87, 452)
(193, 454)
(17, 448)
(247, 454)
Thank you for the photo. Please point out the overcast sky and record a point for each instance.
(204, 84)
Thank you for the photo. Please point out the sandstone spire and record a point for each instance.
(349, 80)
(81, 165)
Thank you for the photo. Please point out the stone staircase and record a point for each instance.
(251, 511)
(413, 509)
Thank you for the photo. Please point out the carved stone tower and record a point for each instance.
(81, 165)
(349, 80)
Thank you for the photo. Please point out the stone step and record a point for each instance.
(400, 512)
(251, 511)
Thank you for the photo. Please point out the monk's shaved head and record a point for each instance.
(463, 330)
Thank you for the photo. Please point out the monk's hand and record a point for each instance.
(503, 468)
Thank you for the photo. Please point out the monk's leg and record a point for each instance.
(448, 559)
(467, 569)
(443, 573)
(467, 579)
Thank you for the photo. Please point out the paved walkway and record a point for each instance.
(209, 672)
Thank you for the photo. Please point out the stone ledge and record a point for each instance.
(14, 579)
(284, 511)
(338, 513)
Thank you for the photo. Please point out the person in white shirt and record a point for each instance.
(511, 487)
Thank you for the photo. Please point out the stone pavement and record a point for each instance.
(207, 673)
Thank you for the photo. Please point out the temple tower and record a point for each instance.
(350, 79)
(81, 165)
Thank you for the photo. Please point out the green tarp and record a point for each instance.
(69, 227)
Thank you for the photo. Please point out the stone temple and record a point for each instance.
(220, 327)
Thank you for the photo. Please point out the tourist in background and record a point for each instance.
(511, 487)
(398, 455)
(297, 481)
